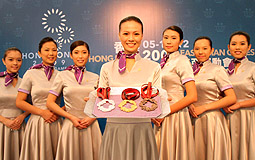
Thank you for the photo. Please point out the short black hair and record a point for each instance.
(78, 43)
(131, 18)
(46, 39)
(11, 49)
(203, 37)
(240, 33)
(177, 29)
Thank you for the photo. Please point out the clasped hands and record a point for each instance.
(157, 121)
(82, 123)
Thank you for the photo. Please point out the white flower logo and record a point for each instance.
(66, 34)
(53, 20)
(59, 44)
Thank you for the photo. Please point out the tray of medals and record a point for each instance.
(133, 102)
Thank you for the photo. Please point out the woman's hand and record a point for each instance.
(87, 121)
(235, 106)
(48, 116)
(196, 111)
(157, 121)
(19, 120)
(86, 99)
(77, 123)
(10, 124)
(199, 110)
(227, 110)
(192, 111)
(232, 108)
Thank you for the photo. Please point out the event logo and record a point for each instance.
(220, 27)
(97, 2)
(87, 15)
(169, 12)
(19, 4)
(9, 18)
(18, 32)
(208, 13)
(65, 35)
(53, 20)
(59, 44)
(97, 29)
(248, 13)
(57, 3)
(7, 45)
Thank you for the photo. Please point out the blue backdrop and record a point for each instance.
(23, 23)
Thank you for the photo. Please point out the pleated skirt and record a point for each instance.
(212, 137)
(10, 142)
(40, 139)
(175, 138)
(128, 139)
(75, 144)
(242, 132)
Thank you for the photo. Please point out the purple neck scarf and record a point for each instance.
(164, 59)
(8, 77)
(196, 67)
(78, 72)
(47, 69)
(231, 66)
(122, 62)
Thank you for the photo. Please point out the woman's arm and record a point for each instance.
(229, 99)
(19, 119)
(52, 105)
(243, 104)
(24, 105)
(191, 97)
(8, 122)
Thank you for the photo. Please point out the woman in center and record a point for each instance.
(175, 138)
(80, 136)
(129, 138)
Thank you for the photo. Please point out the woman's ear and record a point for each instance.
(181, 42)
(3, 61)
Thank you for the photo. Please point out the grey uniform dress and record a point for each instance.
(212, 138)
(40, 138)
(175, 136)
(129, 138)
(74, 143)
(10, 140)
(242, 121)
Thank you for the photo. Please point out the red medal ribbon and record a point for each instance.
(104, 93)
(130, 94)
(148, 88)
